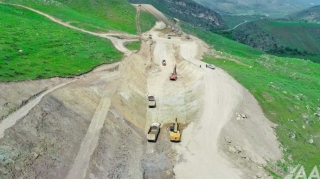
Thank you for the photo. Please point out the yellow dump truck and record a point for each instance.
(175, 135)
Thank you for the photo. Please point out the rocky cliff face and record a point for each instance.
(188, 11)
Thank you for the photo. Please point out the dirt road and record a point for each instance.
(138, 20)
(90, 141)
(16, 116)
(156, 13)
(201, 157)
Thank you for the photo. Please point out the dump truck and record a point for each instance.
(174, 75)
(153, 132)
(164, 63)
(175, 135)
(151, 101)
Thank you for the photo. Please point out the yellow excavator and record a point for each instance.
(175, 132)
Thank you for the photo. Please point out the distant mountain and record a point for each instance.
(188, 11)
(247, 7)
(311, 14)
(280, 37)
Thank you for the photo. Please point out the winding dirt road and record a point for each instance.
(199, 146)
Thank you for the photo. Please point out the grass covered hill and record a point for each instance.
(32, 47)
(292, 39)
(97, 15)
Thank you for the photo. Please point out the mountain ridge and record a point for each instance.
(311, 14)
(188, 11)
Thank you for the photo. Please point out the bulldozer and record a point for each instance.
(174, 75)
(175, 135)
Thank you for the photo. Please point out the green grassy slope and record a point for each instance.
(147, 21)
(48, 49)
(222, 44)
(291, 39)
(302, 36)
(98, 15)
(288, 91)
(133, 45)
(233, 20)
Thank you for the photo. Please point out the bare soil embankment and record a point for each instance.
(43, 143)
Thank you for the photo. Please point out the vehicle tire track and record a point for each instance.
(138, 20)
(90, 141)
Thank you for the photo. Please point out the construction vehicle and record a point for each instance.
(164, 63)
(153, 132)
(174, 75)
(151, 101)
(175, 135)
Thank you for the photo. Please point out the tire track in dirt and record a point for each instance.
(90, 141)
(12, 119)
(138, 20)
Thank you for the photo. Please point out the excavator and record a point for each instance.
(175, 132)
(174, 75)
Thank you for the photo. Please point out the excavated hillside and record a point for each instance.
(95, 125)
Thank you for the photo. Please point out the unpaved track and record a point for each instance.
(156, 13)
(16, 116)
(199, 146)
(90, 141)
(138, 20)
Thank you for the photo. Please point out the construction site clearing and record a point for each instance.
(58, 135)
